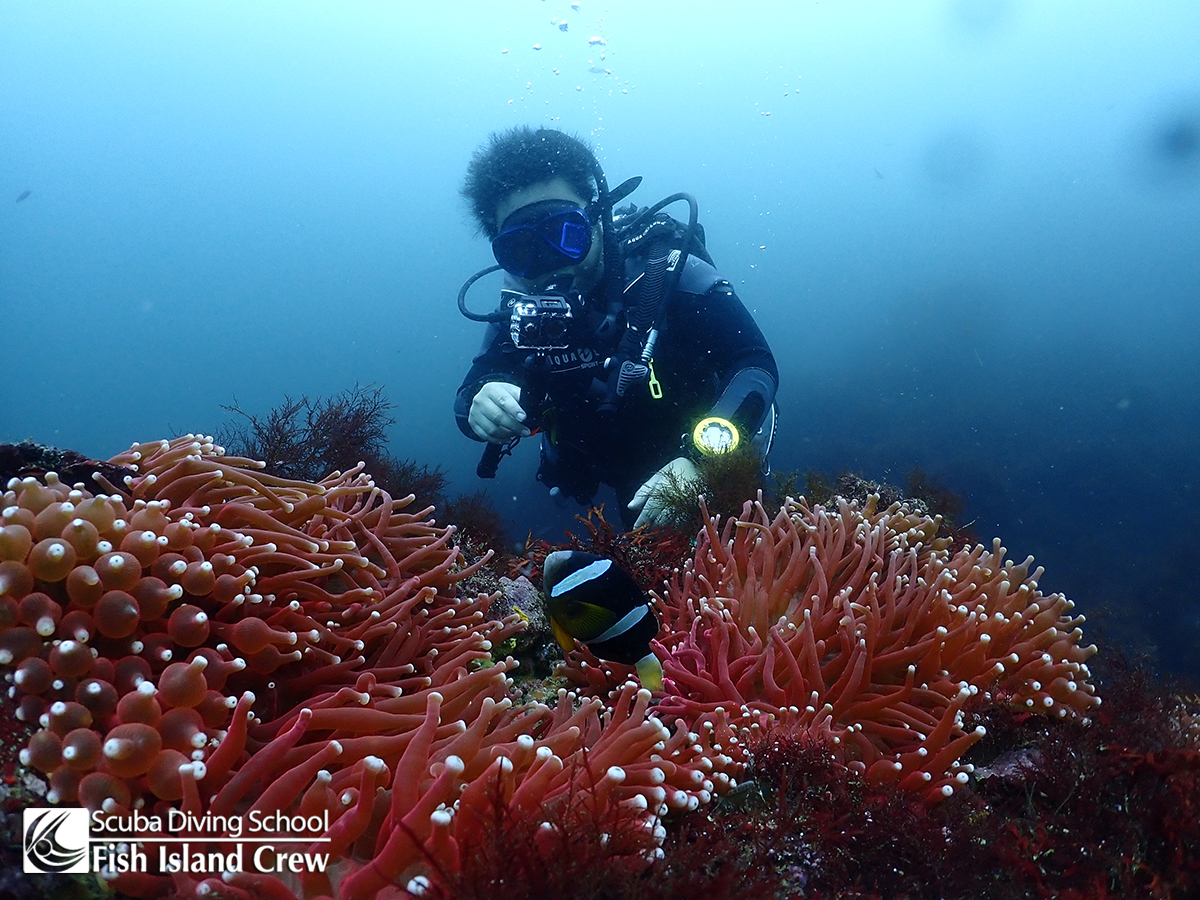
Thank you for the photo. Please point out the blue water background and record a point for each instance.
(971, 231)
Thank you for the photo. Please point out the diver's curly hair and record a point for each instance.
(514, 159)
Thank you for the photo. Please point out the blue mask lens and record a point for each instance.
(542, 237)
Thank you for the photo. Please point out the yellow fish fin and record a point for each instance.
(650, 672)
(587, 620)
(560, 634)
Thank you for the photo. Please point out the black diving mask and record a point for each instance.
(542, 237)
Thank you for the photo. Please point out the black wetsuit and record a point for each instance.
(706, 338)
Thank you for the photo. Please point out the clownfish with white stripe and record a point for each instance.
(595, 601)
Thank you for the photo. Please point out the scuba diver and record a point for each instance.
(615, 337)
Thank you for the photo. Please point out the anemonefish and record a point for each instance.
(592, 599)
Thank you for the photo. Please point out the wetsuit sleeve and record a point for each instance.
(737, 352)
(751, 376)
(493, 363)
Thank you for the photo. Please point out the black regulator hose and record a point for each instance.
(495, 316)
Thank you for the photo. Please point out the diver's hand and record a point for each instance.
(496, 413)
(646, 500)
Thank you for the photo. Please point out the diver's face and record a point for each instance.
(586, 272)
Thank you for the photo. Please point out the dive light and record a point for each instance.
(714, 435)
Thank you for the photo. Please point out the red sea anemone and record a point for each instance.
(210, 639)
(863, 627)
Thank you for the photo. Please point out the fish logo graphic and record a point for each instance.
(56, 840)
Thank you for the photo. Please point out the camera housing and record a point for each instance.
(538, 321)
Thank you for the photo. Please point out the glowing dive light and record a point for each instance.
(715, 435)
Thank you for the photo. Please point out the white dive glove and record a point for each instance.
(496, 413)
(646, 499)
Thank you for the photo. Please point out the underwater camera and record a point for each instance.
(538, 321)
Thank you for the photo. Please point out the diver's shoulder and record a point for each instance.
(699, 276)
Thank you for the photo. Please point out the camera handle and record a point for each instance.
(492, 454)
